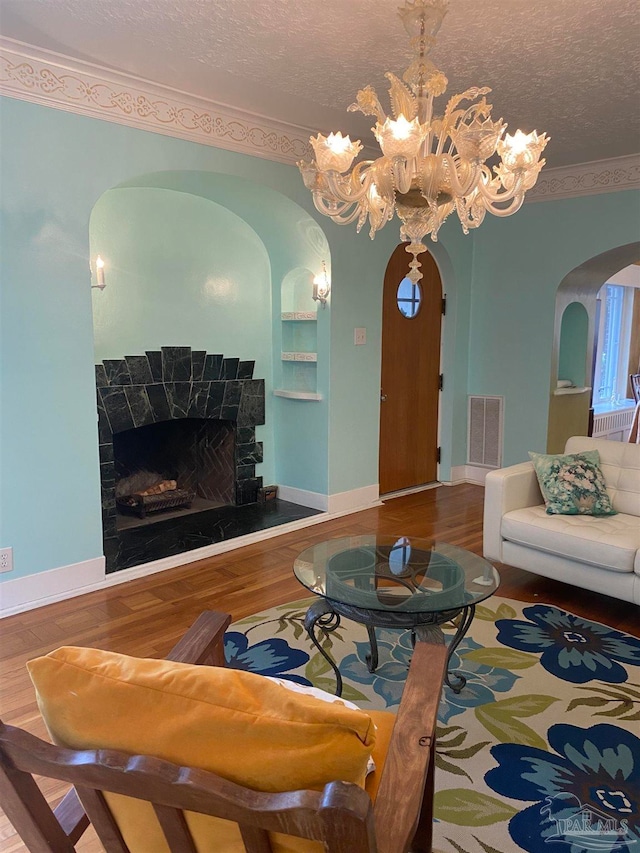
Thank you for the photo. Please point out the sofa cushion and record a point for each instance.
(610, 542)
(572, 483)
(620, 466)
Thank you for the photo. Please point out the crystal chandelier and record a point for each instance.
(431, 164)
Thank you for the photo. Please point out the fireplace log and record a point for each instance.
(140, 504)
(158, 489)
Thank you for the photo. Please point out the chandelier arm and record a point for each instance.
(490, 197)
(459, 188)
(514, 206)
(356, 185)
(403, 172)
(342, 214)
(347, 219)
(330, 206)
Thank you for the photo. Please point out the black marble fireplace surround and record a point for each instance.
(218, 401)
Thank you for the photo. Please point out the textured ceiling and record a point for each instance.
(568, 67)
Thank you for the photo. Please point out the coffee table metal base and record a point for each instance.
(325, 614)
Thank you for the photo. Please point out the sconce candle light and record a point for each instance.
(99, 274)
(321, 286)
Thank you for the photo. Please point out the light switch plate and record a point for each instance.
(359, 337)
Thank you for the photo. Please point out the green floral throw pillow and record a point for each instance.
(572, 483)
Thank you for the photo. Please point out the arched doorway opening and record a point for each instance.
(575, 342)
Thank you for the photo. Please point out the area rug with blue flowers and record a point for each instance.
(541, 749)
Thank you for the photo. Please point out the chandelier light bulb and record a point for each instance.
(401, 128)
(521, 151)
(430, 166)
(400, 138)
(335, 152)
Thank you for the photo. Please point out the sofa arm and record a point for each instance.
(510, 488)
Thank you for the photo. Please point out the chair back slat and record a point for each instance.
(29, 812)
(255, 840)
(103, 821)
(175, 829)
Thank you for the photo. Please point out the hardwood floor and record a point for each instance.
(146, 617)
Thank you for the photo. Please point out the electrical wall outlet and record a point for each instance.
(6, 559)
(359, 337)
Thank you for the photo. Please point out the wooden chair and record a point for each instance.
(634, 381)
(341, 816)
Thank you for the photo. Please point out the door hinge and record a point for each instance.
(441, 382)
(438, 454)
(444, 304)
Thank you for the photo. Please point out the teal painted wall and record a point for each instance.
(518, 265)
(48, 435)
(57, 166)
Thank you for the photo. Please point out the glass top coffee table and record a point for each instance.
(391, 582)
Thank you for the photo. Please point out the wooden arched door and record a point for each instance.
(411, 323)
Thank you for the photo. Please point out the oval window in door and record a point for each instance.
(408, 298)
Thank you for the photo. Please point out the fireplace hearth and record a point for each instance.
(179, 415)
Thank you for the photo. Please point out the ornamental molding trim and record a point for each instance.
(599, 176)
(42, 77)
(50, 79)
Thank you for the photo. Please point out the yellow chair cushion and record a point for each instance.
(236, 724)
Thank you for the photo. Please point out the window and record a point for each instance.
(409, 297)
(612, 355)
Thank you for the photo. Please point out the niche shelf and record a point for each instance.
(299, 336)
(299, 356)
(299, 316)
(560, 392)
(297, 395)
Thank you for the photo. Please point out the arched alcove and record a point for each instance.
(572, 357)
(569, 408)
(191, 312)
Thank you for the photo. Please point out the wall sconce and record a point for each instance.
(99, 274)
(321, 286)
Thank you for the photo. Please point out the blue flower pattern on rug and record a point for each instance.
(572, 648)
(395, 651)
(566, 777)
(587, 795)
(270, 657)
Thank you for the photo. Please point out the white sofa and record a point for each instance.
(597, 553)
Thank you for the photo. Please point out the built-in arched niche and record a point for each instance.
(188, 323)
(574, 338)
(574, 343)
(297, 377)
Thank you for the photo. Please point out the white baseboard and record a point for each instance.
(355, 499)
(315, 500)
(467, 474)
(19, 594)
(475, 474)
(458, 475)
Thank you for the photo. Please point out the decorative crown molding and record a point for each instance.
(599, 176)
(43, 77)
